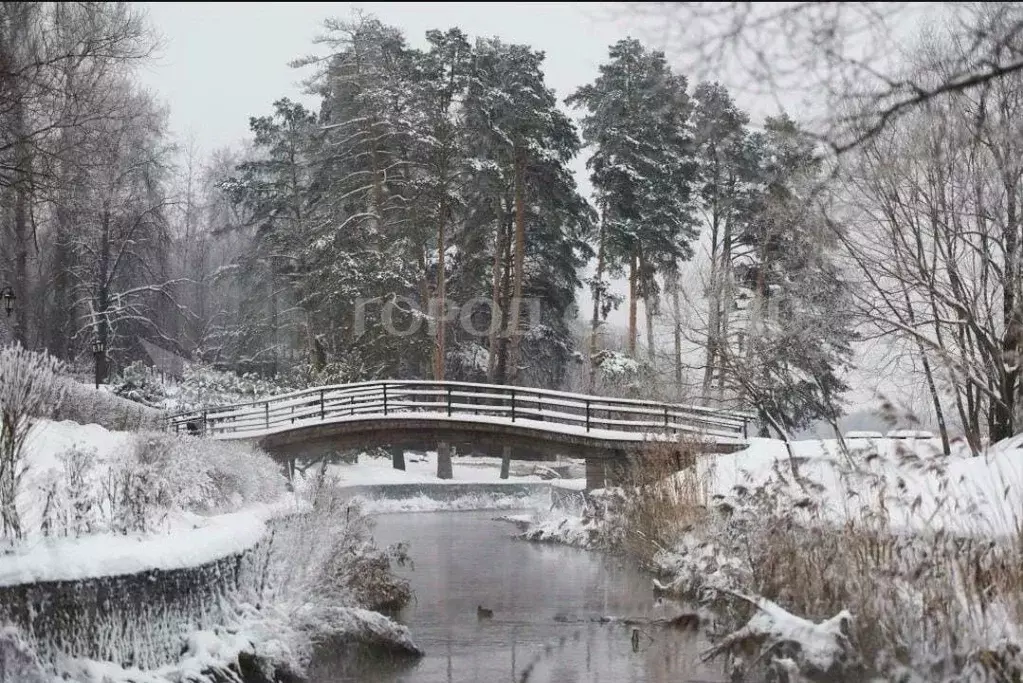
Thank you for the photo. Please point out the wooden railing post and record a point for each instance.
(385, 398)
(266, 412)
(449, 401)
(513, 405)
(587, 414)
(204, 423)
(666, 418)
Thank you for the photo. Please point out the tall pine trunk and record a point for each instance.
(713, 305)
(598, 289)
(519, 264)
(676, 312)
(633, 276)
(438, 359)
(499, 269)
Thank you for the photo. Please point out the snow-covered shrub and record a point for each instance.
(204, 386)
(71, 502)
(30, 387)
(137, 383)
(324, 561)
(336, 372)
(241, 473)
(85, 405)
(18, 661)
(167, 474)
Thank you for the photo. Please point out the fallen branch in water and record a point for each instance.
(818, 652)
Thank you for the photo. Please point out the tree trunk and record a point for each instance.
(676, 312)
(724, 304)
(438, 359)
(713, 306)
(497, 296)
(22, 239)
(597, 291)
(519, 265)
(633, 276)
(1012, 337)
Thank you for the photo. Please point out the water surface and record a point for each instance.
(542, 597)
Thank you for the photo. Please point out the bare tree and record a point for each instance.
(937, 200)
(29, 386)
(842, 58)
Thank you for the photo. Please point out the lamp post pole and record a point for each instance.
(99, 351)
(8, 297)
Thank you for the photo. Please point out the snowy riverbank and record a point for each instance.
(832, 552)
(103, 510)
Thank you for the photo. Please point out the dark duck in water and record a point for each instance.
(484, 613)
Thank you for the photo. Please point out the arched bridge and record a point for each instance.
(535, 423)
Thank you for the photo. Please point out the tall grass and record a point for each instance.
(927, 603)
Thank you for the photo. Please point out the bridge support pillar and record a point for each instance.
(505, 461)
(398, 457)
(444, 460)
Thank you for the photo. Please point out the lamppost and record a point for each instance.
(7, 293)
(98, 350)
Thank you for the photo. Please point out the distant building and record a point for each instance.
(164, 361)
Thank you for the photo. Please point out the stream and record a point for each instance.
(543, 599)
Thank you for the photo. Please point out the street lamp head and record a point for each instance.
(9, 298)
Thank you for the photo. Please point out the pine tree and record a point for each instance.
(798, 338)
(642, 170)
(276, 191)
(728, 162)
(521, 145)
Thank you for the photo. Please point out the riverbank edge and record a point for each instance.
(198, 623)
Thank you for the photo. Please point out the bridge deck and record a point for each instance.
(409, 404)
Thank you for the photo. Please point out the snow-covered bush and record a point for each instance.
(159, 477)
(137, 383)
(616, 373)
(179, 473)
(30, 387)
(85, 405)
(324, 562)
(205, 386)
(71, 499)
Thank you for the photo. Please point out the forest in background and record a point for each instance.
(435, 184)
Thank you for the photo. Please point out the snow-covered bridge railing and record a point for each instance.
(453, 400)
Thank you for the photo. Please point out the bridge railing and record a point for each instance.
(487, 402)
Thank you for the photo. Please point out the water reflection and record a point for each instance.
(543, 598)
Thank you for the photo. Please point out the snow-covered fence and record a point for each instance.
(137, 619)
(456, 399)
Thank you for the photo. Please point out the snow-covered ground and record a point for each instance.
(207, 502)
(917, 488)
(175, 536)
